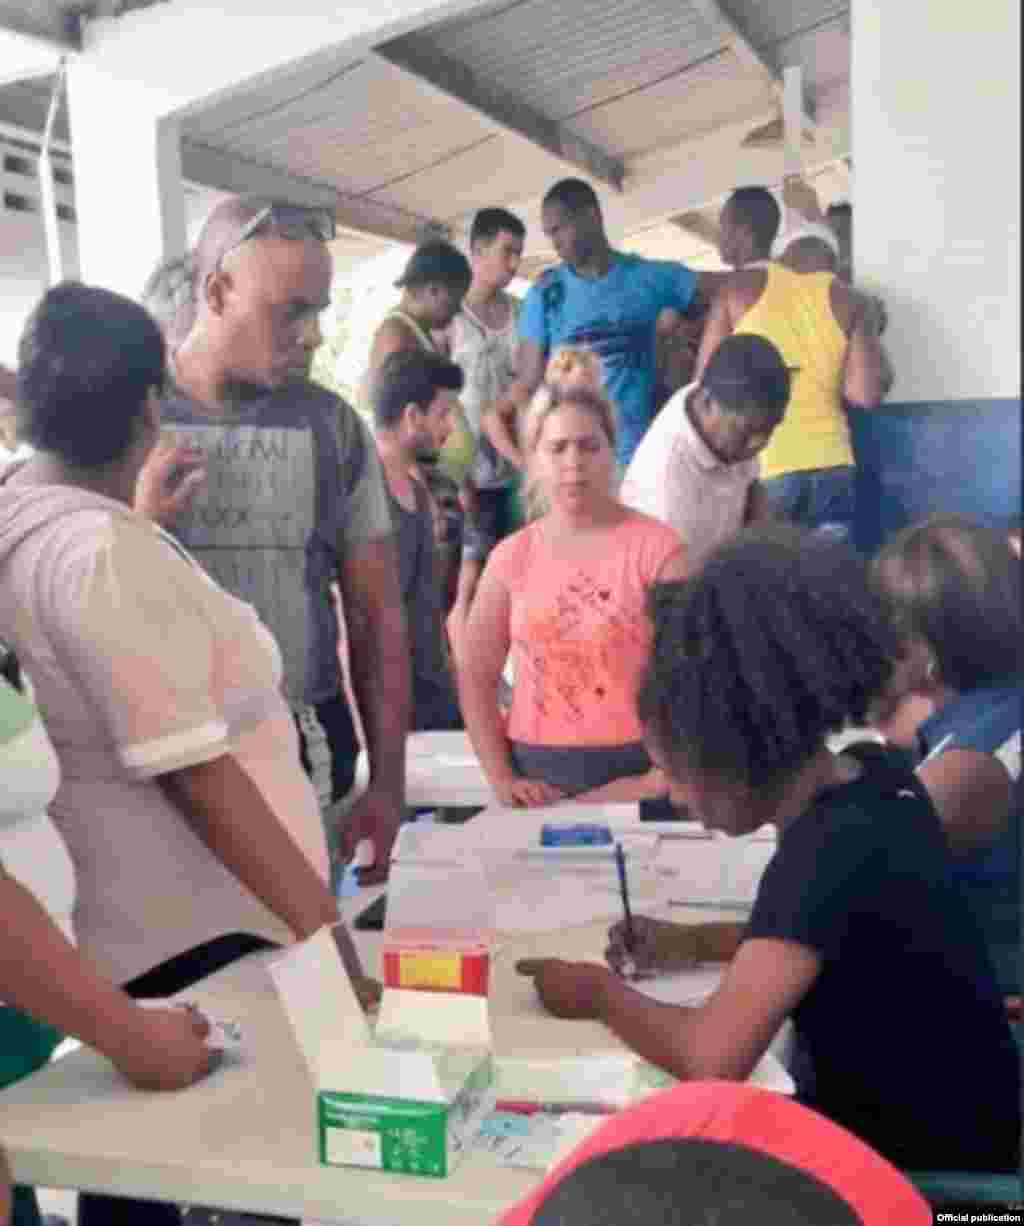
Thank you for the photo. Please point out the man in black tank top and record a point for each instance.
(414, 397)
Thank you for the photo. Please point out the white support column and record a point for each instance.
(129, 196)
(936, 131)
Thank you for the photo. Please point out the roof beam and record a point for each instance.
(454, 79)
(740, 44)
(226, 172)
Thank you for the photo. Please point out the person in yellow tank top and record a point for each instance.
(827, 334)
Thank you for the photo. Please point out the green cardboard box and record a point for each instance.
(407, 1095)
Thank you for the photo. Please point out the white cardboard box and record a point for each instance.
(407, 1095)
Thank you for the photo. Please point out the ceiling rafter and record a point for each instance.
(743, 48)
(454, 79)
(230, 173)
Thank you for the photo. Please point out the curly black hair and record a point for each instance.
(778, 640)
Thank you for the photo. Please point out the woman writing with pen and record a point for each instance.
(859, 932)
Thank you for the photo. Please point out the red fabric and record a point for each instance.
(763, 1121)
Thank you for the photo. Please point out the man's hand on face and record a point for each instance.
(169, 479)
(376, 815)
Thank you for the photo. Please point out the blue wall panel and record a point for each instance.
(962, 455)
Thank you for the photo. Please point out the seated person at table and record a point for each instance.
(714, 1153)
(414, 395)
(46, 988)
(183, 802)
(956, 701)
(858, 932)
(567, 593)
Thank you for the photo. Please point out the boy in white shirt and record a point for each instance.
(696, 467)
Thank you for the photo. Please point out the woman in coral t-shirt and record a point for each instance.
(567, 595)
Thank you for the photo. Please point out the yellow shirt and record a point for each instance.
(795, 313)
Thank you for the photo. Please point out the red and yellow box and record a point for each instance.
(423, 960)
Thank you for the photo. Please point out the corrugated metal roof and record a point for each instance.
(634, 77)
(366, 127)
(703, 98)
(568, 57)
(496, 171)
(768, 24)
(263, 102)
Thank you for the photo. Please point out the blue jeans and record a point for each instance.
(822, 499)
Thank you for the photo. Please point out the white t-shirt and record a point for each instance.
(677, 479)
(31, 850)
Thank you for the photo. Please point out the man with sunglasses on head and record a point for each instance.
(294, 498)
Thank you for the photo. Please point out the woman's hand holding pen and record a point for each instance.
(657, 945)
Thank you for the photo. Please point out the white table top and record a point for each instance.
(244, 1138)
(441, 768)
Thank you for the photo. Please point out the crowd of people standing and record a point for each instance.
(655, 600)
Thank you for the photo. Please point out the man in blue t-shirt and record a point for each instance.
(599, 299)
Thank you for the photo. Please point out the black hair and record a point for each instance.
(775, 642)
(436, 262)
(87, 358)
(574, 195)
(489, 223)
(691, 1181)
(746, 374)
(957, 584)
(411, 377)
(757, 208)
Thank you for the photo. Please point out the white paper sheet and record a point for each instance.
(717, 872)
(550, 899)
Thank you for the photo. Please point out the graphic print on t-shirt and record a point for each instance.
(249, 524)
(579, 652)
